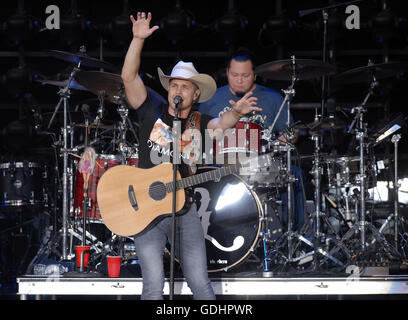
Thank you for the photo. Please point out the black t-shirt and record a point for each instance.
(155, 134)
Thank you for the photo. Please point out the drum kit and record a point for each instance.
(256, 214)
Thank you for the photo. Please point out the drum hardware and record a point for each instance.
(271, 229)
(395, 215)
(289, 94)
(362, 226)
(64, 97)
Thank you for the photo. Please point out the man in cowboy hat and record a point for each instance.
(185, 86)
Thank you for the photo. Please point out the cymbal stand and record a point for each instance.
(290, 234)
(64, 97)
(289, 94)
(397, 219)
(362, 225)
(123, 111)
(318, 215)
(123, 148)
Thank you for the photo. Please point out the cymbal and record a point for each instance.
(365, 74)
(86, 60)
(305, 69)
(324, 124)
(94, 125)
(62, 84)
(110, 85)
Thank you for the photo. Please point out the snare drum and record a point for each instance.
(105, 161)
(22, 183)
(244, 139)
(230, 215)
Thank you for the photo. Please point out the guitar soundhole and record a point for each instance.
(157, 191)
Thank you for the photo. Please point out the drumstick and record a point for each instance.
(75, 155)
(326, 196)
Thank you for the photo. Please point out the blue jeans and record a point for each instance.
(189, 249)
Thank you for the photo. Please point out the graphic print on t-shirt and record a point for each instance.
(161, 133)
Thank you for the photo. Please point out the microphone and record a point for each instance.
(177, 100)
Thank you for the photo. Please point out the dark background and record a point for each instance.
(204, 32)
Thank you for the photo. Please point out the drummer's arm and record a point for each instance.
(225, 121)
(239, 109)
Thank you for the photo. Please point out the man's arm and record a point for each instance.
(239, 109)
(135, 89)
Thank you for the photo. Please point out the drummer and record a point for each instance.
(241, 77)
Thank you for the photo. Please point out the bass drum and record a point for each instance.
(231, 218)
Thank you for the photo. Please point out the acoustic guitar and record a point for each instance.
(131, 199)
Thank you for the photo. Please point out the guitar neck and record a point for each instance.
(203, 177)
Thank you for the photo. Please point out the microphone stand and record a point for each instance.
(85, 201)
(176, 159)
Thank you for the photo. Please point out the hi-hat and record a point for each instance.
(86, 60)
(302, 69)
(366, 73)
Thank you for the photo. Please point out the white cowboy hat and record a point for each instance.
(186, 71)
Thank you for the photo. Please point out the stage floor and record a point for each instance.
(232, 287)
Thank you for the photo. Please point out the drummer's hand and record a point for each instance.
(141, 26)
(246, 104)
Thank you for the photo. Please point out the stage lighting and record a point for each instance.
(72, 28)
(177, 24)
(275, 31)
(121, 29)
(17, 81)
(384, 26)
(17, 28)
(231, 26)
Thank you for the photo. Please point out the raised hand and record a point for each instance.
(141, 26)
(246, 104)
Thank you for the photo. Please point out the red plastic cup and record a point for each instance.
(79, 250)
(114, 263)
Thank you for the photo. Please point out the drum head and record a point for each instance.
(230, 215)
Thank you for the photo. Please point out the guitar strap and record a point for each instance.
(193, 123)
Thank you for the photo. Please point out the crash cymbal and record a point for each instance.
(324, 124)
(86, 60)
(366, 73)
(109, 85)
(62, 84)
(305, 69)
